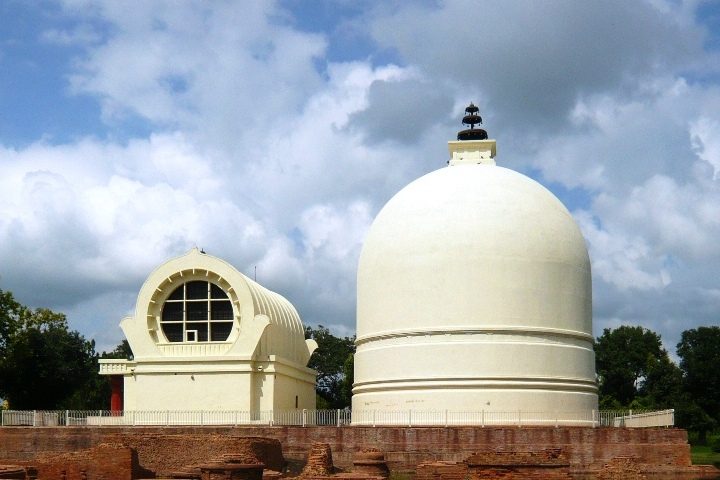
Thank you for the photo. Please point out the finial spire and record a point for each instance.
(472, 118)
(472, 146)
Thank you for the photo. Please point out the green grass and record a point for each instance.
(401, 475)
(702, 455)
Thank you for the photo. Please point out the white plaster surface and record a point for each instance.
(474, 293)
(261, 366)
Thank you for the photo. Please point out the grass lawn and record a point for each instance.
(702, 455)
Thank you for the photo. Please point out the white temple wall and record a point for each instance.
(286, 391)
(186, 391)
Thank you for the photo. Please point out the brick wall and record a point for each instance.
(504, 471)
(164, 454)
(586, 449)
(102, 462)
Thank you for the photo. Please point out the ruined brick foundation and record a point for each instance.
(429, 453)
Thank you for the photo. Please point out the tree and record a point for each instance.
(11, 313)
(95, 394)
(699, 352)
(662, 387)
(330, 360)
(122, 351)
(43, 365)
(690, 416)
(632, 366)
(348, 379)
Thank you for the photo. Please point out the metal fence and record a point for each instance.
(481, 418)
(43, 418)
(407, 418)
(644, 419)
(593, 418)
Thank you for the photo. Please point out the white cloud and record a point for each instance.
(705, 135)
(221, 71)
(623, 261)
(335, 234)
(83, 35)
(535, 59)
(229, 129)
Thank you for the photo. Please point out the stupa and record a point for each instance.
(474, 295)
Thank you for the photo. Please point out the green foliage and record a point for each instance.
(714, 444)
(43, 365)
(11, 313)
(662, 387)
(122, 351)
(331, 361)
(689, 415)
(634, 370)
(346, 384)
(608, 402)
(699, 352)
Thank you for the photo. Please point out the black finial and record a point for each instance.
(472, 118)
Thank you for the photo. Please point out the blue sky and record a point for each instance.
(271, 134)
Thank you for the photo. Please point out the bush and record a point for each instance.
(714, 443)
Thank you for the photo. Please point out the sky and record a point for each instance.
(270, 134)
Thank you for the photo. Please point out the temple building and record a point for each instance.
(474, 294)
(206, 337)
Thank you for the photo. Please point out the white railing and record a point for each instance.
(644, 419)
(481, 418)
(407, 418)
(40, 418)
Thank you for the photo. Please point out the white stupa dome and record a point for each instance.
(474, 294)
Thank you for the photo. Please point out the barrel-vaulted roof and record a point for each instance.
(255, 322)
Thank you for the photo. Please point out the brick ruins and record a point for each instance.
(345, 453)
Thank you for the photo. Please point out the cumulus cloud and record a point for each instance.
(402, 110)
(229, 127)
(534, 60)
(82, 35)
(220, 71)
(103, 226)
(625, 261)
(705, 136)
(93, 218)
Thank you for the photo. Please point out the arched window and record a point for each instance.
(197, 311)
